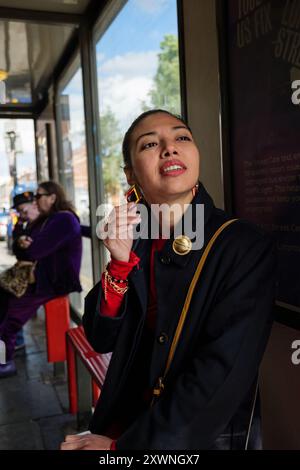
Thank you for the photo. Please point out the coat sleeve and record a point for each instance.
(202, 399)
(101, 331)
(19, 253)
(60, 229)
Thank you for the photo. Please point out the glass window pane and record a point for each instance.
(17, 162)
(138, 69)
(17, 174)
(74, 171)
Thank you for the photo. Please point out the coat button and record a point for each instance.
(165, 259)
(162, 338)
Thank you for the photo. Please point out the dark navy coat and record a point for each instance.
(220, 349)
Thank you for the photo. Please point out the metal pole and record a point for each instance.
(12, 136)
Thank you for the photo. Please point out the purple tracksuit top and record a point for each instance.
(57, 248)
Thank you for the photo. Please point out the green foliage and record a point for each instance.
(110, 138)
(166, 90)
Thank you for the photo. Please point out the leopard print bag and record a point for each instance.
(16, 279)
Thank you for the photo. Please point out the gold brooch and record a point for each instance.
(182, 245)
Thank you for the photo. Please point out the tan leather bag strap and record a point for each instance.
(160, 385)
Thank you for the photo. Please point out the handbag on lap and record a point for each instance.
(16, 279)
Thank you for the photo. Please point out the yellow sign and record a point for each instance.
(3, 75)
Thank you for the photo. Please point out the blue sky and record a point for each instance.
(141, 24)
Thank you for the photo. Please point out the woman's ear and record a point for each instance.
(130, 176)
(53, 198)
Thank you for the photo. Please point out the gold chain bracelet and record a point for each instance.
(114, 285)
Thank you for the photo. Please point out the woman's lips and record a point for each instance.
(172, 168)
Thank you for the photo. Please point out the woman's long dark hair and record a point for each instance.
(61, 203)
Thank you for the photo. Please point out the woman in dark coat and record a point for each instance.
(209, 388)
(55, 244)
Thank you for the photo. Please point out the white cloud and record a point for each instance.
(152, 7)
(131, 64)
(124, 81)
(124, 96)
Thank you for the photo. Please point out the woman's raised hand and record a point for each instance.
(117, 233)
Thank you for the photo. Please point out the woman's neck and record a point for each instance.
(172, 209)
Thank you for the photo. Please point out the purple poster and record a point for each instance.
(264, 96)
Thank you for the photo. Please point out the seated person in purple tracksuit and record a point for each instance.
(55, 243)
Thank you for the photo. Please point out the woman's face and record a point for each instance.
(165, 159)
(44, 200)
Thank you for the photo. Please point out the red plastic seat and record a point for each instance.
(57, 313)
(94, 362)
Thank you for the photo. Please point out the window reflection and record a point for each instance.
(23, 60)
(75, 174)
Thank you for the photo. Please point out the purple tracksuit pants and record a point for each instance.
(19, 311)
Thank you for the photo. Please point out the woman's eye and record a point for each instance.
(184, 137)
(148, 145)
